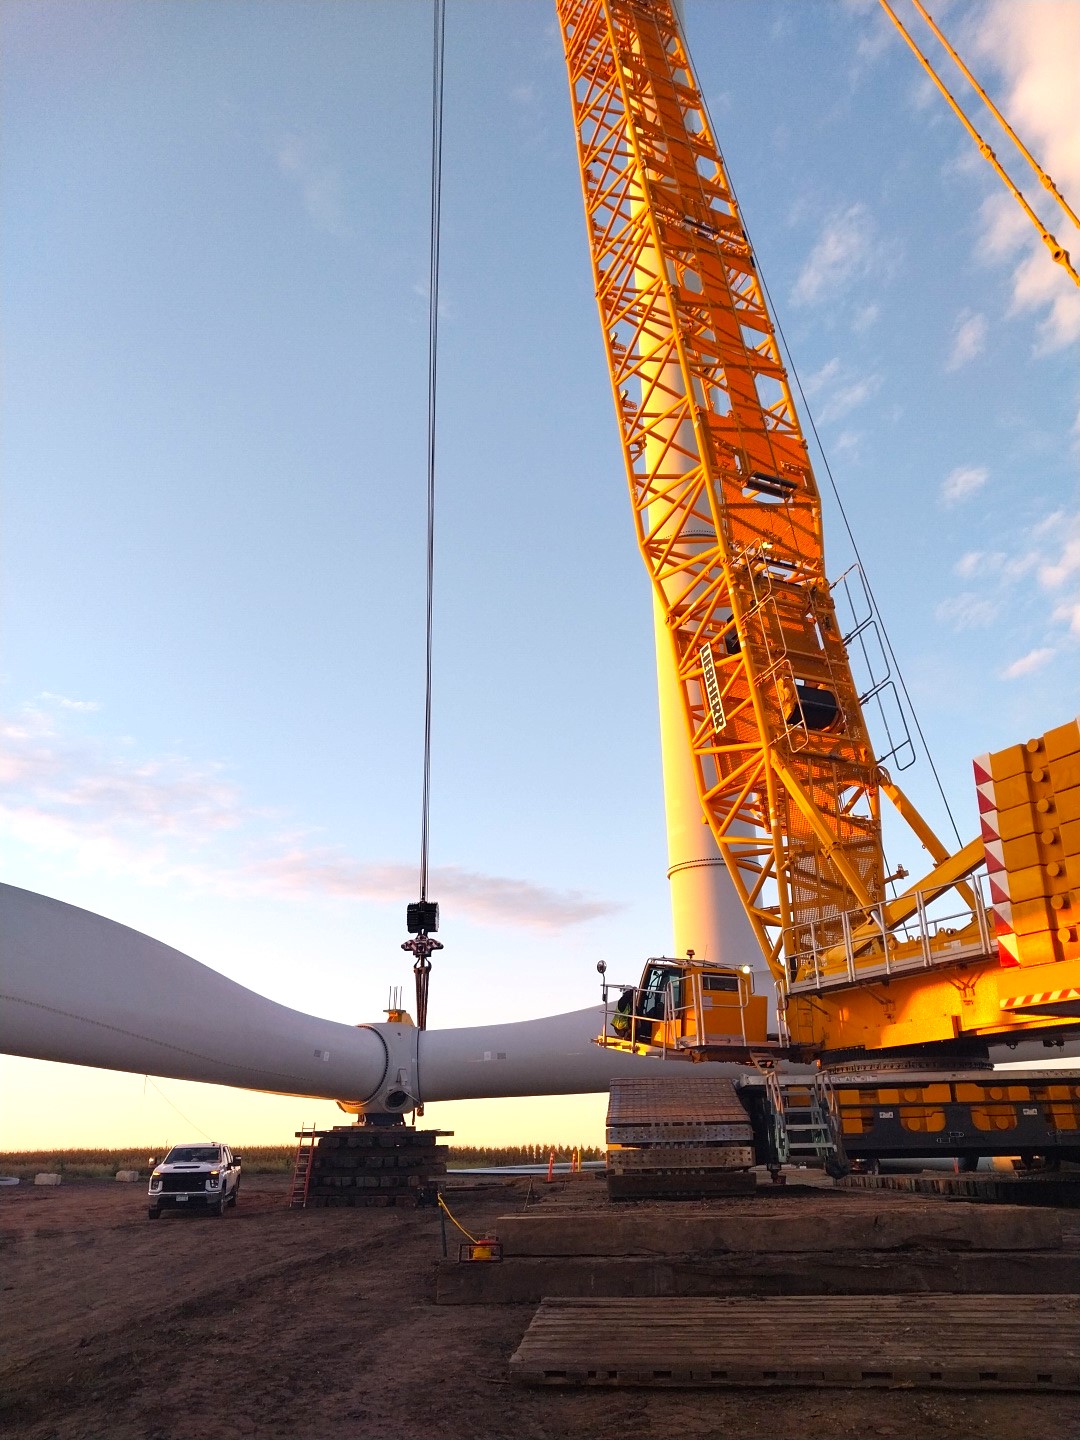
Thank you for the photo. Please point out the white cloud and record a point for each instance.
(872, 38)
(996, 565)
(63, 703)
(865, 316)
(1034, 47)
(969, 565)
(1036, 586)
(969, 338)
(318, 181)
(1029, 663)
(171, 821)
(492, 898)
(924, 96)
(1064, 567)
(963, 482)
(1059, 573)
(968, 611)
(845, 251)
(849, 396)
(819, 379)
(1037, 286)
(840, 392)
(847, 443)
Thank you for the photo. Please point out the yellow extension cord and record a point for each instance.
(443, 1206)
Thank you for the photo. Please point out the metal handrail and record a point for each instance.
(819, 965)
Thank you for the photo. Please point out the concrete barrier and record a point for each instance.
(46, 1179)
(129, 1176)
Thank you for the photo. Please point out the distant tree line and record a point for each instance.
(469, 1156)
(91, 1164)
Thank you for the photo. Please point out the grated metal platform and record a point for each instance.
(663, 1110)
(936, 1342)
(684, 1137)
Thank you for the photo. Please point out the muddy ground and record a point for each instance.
(276, 1323)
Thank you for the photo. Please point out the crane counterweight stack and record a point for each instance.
(1029, 810)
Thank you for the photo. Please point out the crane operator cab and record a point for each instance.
(687, 1004)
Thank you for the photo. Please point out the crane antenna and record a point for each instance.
(423, 918)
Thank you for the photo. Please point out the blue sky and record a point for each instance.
(214, 267)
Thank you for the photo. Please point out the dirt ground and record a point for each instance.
(276, 1323)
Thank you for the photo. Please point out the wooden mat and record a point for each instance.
(968, 1342)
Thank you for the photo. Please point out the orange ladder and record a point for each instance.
(301, 1176)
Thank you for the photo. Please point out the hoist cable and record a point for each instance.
(432, 390)
(1057, 251)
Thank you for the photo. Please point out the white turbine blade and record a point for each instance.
(76, 987)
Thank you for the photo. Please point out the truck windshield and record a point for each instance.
(193, 1155)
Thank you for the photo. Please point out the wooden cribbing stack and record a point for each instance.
(684, 1137)
(367, 1165)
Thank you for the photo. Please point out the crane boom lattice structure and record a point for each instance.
(727, 509)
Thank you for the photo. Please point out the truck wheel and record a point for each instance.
(221, 1204)
(234, 1197)
(154, 1213)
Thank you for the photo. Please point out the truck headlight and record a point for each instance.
(213, 1182)
(155, 1182)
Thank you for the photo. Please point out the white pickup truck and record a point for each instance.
(202, 1176)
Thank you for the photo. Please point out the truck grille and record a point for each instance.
(173, 1183)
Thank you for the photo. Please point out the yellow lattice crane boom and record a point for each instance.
(728, 518)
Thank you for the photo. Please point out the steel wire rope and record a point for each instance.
(774, 315)
(439, 28)
(858, 556)
(423, 919)
(148, 1081)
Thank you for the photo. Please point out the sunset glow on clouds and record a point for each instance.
(171, 822)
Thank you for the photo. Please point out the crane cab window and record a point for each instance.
(654, 982)
(720, 982)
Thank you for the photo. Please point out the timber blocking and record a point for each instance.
(360, 1166)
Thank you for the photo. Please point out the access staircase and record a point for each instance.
(805, 1125)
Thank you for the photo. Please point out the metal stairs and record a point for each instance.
(805, 1122)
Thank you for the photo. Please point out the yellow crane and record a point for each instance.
(728, 519)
